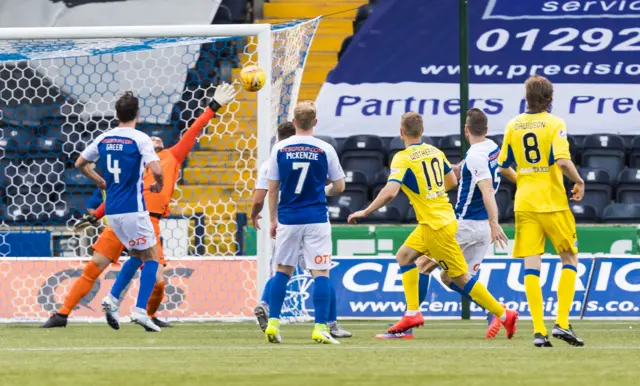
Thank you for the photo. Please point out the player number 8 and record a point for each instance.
(531, 149)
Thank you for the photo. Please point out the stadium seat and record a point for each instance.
(43, 147)
(621, 214)
(453, 196)
(584, 213)
(8, 146)
(411, 216)
(498, 139)
(76, 200)
(330, 140)
(628, 186)
(356, 191)
(509, 214)
(338, 214)
(450, 145)
(504, 198)
(573, 148)
(365, 153)
(379, 181)
(604, 151)
(394, 212)
(598, 188)
(396, 145)
(634, 155)
(76, 182)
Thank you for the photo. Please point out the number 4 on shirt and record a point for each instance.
(114, 168)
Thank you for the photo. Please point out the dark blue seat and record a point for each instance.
(393, 213)
(498, 139)
(366, 153)
(628, 186)
(379, 181)
(330, 140)
(604, 151)
(598, 188)
(584, 213)
(338, 214)
(43, 147)
(450, 146)
(621, 214)
(634, 154)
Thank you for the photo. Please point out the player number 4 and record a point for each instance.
(303, 174)
(114, 168)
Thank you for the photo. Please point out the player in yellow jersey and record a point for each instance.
(537, 142)
(425, 175)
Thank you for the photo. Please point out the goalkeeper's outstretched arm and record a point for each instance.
(224, 94)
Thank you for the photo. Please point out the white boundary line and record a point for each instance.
(287, 347)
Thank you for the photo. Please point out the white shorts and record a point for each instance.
(474, 237)
(134, 230)
(312, 241)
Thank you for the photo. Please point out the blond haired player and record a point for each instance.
(537, 142)
(425, 175)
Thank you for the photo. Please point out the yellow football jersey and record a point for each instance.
(534, 142)
(420, 169)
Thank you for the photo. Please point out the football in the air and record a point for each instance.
(252, 78)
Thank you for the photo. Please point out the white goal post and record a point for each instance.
(57, 90)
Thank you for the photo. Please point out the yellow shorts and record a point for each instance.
(532, 227)
(441, 245)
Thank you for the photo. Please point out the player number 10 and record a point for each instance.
(438, 176)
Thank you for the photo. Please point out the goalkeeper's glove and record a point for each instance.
(84, 222)
(224, 94)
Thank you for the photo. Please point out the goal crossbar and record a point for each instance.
(116, 32)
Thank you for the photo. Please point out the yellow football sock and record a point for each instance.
(410, 280)
(481, 295)
(534, 298)
(566, 291)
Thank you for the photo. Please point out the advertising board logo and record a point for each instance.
(546, 9)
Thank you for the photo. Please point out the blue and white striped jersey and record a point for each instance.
(122, 152)
(480, 163)
(302, 164)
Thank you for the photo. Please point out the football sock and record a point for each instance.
(566, 292)
(80, 287)
(459, 290)
(534, 298)
(127, 272)
(479, 294)
(321, 299)
(333, 306)
(277, 294)
(410, 279)
(423, 286)
(147, 282)
(156, 299)
(267, 291)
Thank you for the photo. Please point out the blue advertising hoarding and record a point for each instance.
(406, 58)
(371, 287)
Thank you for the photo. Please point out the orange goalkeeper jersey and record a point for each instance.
(171, 159)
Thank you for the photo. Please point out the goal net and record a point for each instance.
(58, 87)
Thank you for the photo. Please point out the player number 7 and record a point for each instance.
(303, 174)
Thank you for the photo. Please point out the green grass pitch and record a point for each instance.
(442, 353)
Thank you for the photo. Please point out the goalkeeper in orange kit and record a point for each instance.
(108, 247)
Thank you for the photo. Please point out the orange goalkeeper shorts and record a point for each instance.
(110, 246)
